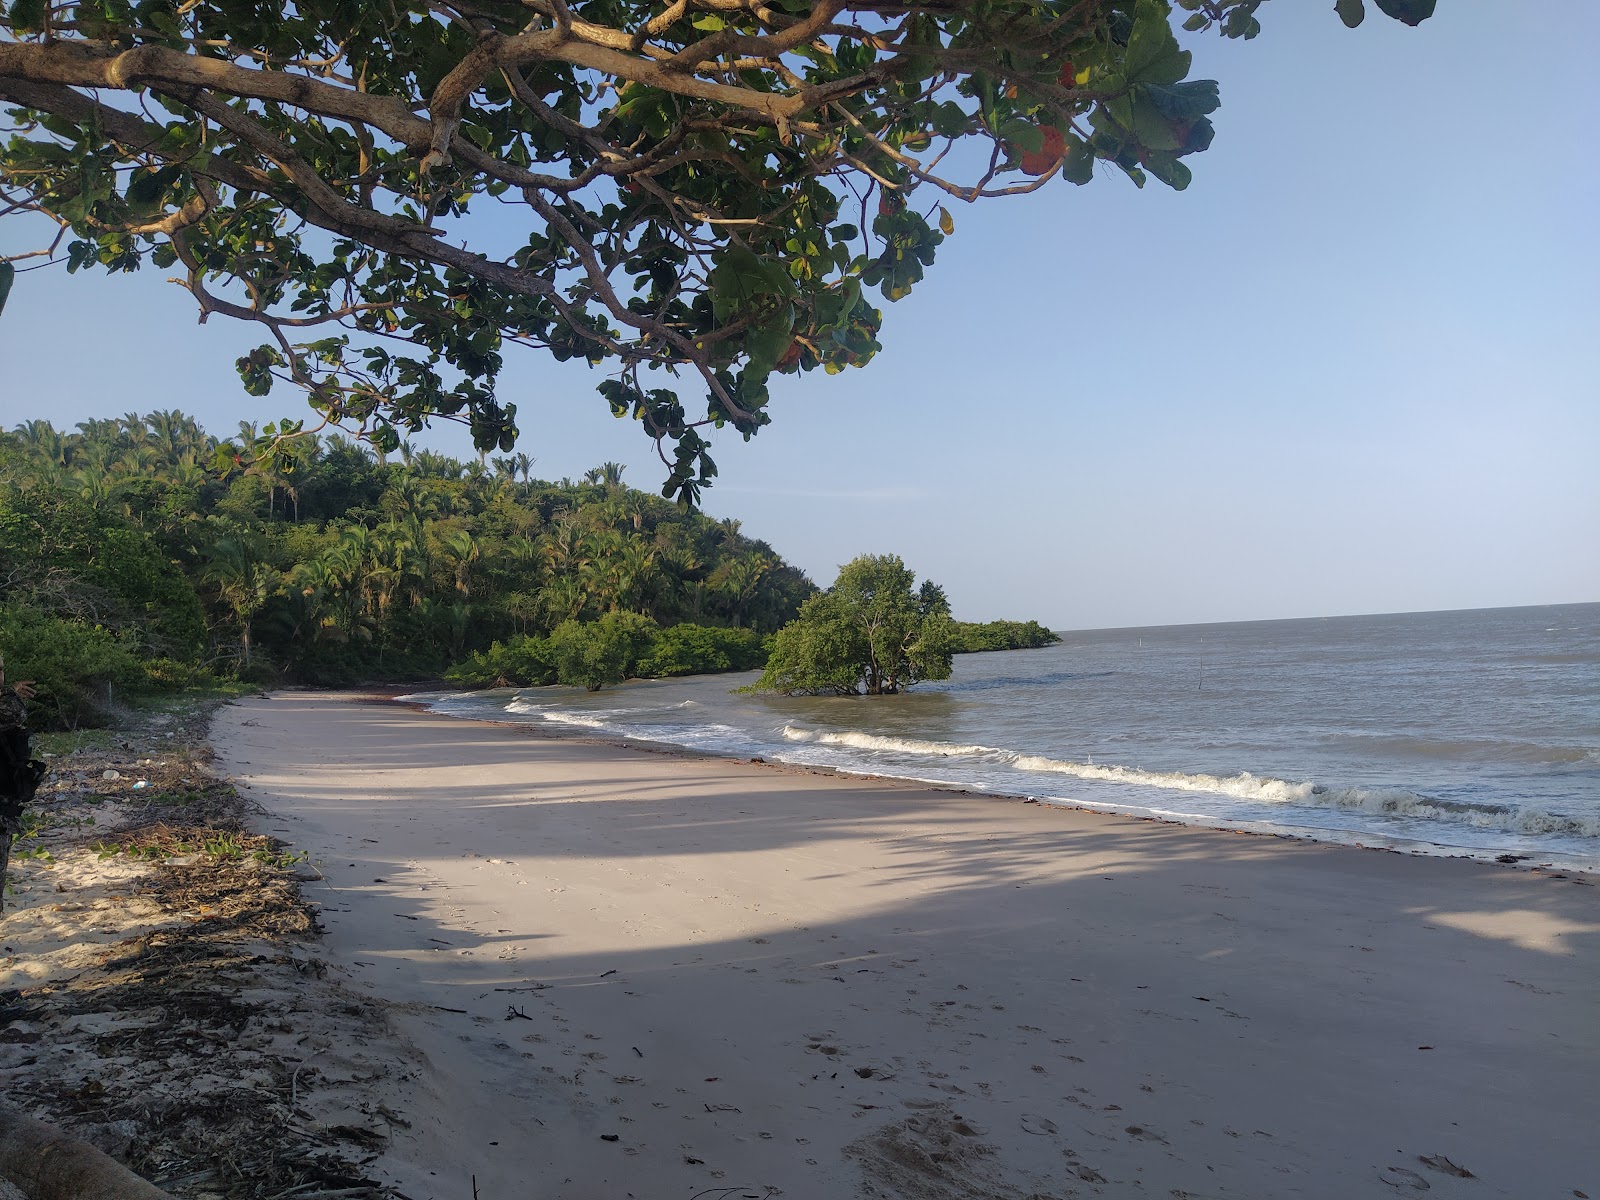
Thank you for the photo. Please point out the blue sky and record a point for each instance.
(1350, 369)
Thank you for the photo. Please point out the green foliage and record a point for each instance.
(525, 661)
(78, 670)
(687, 182)
(869, 632)
(647, 652)
(347, 569)
(703, 650)
(972, 637)
(169, 675)
(593, 654)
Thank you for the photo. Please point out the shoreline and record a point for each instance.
(657, 973)
(1553, 864)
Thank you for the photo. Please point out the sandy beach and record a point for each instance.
(622, 973)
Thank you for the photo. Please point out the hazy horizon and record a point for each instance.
(1405, 612)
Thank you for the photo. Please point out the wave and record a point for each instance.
(1259, 789)
(872, 741)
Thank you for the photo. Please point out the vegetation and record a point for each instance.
(711, 191)
(869, 632)
(972, 637)
(127, 567)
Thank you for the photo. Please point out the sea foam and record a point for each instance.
(1258, 789)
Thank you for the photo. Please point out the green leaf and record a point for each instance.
(1025, 135)
(1078, 166)
(743, 277)
(1185, 101)
(8, 274)
(1351, 12)
(1168, 169)
(1411, 12)
(27, 16)
(767, 343)
(1153, 55)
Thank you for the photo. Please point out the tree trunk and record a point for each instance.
(47, 1164)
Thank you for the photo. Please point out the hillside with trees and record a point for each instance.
(128, 564)
(125, 562)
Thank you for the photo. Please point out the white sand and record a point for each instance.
(764, 981)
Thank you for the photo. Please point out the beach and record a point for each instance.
(626, 973)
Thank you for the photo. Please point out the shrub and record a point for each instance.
(523, 662)
(77, 669)
(593, 654)
(973, 637)
(703, 650)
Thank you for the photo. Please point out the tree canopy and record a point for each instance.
(711, 190)
(873, 631)
(123, 561)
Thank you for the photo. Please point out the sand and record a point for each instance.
(632, 974)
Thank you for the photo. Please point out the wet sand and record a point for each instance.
(627, 973)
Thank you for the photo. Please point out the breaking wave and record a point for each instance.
(872, 741)
(1259, 789)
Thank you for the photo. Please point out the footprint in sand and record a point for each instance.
(1404, 1179)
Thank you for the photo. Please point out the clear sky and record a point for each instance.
(1351, 369)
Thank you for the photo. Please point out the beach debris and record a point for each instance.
(610, 1137)
(712, 1108)
(1037, 1125)
(1444, 1166)
(693, 1161)
(603, 974)
(513, 1013)
(638, 1051)
(1405, 1179)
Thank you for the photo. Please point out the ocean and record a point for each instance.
(1466, 733)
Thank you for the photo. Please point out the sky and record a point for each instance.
(1351, 369)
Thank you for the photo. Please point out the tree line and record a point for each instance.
(128, 562)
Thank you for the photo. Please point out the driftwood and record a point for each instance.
(47, 1164)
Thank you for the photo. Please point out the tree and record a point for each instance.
(869, 633)
(601, 652)
(713, 189)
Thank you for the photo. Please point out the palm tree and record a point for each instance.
(243, 582)
(464, 548)
(563, 599)
(738, 581)
(635, 568)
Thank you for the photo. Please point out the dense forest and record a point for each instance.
(128, 562)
